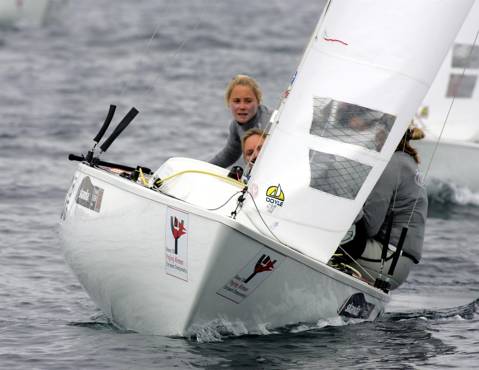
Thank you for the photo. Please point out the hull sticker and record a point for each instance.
(356, 307)
(89, 195)
(68, 199)
(176, 243)
(251, 276)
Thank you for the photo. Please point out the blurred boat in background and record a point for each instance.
(449, 114)
(29, 11)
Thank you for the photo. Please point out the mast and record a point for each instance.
(366, 70)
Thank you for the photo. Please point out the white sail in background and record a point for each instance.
(462, 122)
(30, 11)
(360, 82)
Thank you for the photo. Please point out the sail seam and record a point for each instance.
(378, 66)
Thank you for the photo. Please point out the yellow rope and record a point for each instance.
(352, 268)
(142, 177)
(224, 178)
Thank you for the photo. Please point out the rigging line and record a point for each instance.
(225, 203)
(273, 120)
(175, 54)
(267, 227)
(297, 250)
(265, 224)
(148, 46)
(357, 263)
(158, 182)
(169, 62)
(436, 145)
(398, 179)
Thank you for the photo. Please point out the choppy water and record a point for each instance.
(57, 82)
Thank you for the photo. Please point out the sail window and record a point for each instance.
(336, 175)
(461, 86)
(465, 56)
(349, 123)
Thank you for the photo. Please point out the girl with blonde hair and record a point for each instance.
(243, 97)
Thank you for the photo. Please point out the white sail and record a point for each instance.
(373, 59)
(31, 11)
(462, 121)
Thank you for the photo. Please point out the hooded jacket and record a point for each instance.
(231, 152)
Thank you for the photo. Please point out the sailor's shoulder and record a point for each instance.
(402, 159)
(265, 113)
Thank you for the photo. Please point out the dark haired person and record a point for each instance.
(399, 198)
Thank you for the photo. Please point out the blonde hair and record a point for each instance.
(243, 80)
(251, 132)
(412, 133)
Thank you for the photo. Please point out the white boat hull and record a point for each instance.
(118, 242)
(453, 161)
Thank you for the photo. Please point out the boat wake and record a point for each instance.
(224, 330)
(468, 311)
(448, 193)
(221, 330)
(100, 322)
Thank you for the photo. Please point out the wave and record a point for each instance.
(223, 329)
(468, 311)
(448, 193)
(100, 322)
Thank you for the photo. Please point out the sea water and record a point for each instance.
(172, 60)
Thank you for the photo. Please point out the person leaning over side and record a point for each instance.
(243, 97)
(251, 145)
(398, 197)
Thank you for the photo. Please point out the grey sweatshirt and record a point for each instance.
(232, 149)
(402, 174)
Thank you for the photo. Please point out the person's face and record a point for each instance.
(243, 103)
(251, 148)
(358, 123)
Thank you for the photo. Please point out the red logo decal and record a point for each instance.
(263, 264)
(178, 230)
(329, 39)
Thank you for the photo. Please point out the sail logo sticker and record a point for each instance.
(176, 244)
(275, 196)
(331, 39)
(89, 195)
(251, 275)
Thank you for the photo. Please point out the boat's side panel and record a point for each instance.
(119, 254)
(121, 245)
(453, 161)
(235, 295)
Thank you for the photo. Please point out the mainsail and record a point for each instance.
(362, 77)
(458, 79)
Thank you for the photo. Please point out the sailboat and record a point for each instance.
(30, 11)
(449, 113)
(186, 247)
